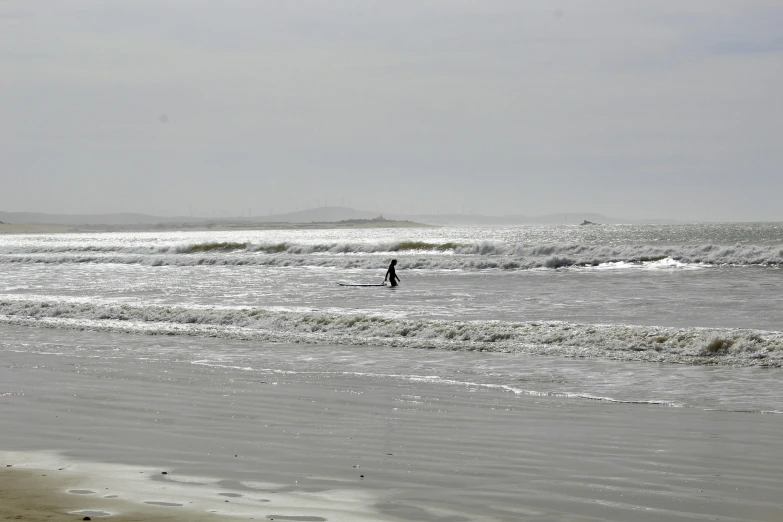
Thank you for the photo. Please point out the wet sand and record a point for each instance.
(42, 495)
(39, 490)
(321, 447)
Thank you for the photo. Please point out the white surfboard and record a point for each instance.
(362, 284)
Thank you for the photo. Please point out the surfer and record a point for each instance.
(391, 274)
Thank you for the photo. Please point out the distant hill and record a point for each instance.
(318, 215)
(329, 214)
(549, 219)
(314, 215)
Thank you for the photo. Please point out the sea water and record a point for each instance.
(700, 294)
(695, 294)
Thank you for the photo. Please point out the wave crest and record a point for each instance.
(626, 342)
(411, 255)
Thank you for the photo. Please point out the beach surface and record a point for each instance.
(94, 419)
(46, 494)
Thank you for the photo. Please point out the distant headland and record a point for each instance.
(314, 218)
(28, 223)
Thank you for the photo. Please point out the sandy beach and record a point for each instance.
(54, 495)
(92, 424)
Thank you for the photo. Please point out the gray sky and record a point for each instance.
(635, 109)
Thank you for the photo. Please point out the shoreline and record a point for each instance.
(34, 228)
(229, 422)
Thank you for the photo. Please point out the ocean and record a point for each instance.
(675, 317)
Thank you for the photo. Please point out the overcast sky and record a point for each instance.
(638, 109)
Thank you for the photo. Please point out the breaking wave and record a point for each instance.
(411, 255)
(733, 347)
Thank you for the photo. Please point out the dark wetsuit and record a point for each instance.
(392, 275)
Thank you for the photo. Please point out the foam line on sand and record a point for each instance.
(46, 486)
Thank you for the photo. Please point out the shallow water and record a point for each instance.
(695, 294)
(405, 433)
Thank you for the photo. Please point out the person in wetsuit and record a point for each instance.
(391, 274)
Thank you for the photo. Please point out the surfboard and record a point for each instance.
(361, 284)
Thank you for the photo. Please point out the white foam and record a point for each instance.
(479, 256)
(615, 341)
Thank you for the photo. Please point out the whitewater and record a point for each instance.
(703, 294)
(694, 294)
